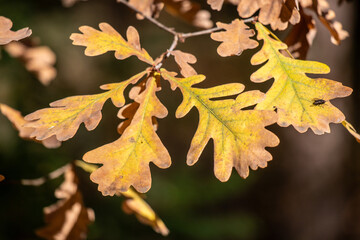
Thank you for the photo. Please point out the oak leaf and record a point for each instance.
(300, 101)
(126, 161)
(235, 38)
(108, 39)
(65, 116)
(351, 130)
(149, 8)
(7, 35)
(183, 59)
(68, 218)
(18, 121)
(239, 135)
(37, 59)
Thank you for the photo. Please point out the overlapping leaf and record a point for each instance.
(108, 39)
(300, 101)
(68, 218)
(239, 135)
(7, 35)
(126, 161)
(183, 59)
(65, 116)
(18, 121)
(235, 38)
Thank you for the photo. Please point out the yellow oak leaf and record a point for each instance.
(126, 161)
(65, 116)
(7, 35)
(68, 218)
(239, 135)
(235, 39)
(108, 39)
(300, 100)
(18, 121)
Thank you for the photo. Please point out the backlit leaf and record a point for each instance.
(7, 35)
(239, 135)
(300, 101)
(65, 116)
(68, 218)
(235, 38)
(108, 39)
(126, 161)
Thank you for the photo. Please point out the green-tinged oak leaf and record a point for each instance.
(300, 100)
(126, 161)
(235, 38)
(18, 121)
(65, 116)
(108, 39)
(239, 135)
(7, 35)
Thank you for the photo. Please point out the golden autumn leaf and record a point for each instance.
(7, 35)
(68, 218)
(301, 36)
(39, 60)
(126, 161)
(239, 135)
(65, 116)
(108, 39)
(18, 121)
(300, 101)
(235, 38)
(183, 59)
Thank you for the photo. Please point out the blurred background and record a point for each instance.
(311, 189)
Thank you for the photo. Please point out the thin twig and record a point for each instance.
(153, 20)
(168, 52)
(199, 33)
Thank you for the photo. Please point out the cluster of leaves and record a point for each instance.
(233, 118)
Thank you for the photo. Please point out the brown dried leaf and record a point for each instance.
(235, 38)
(6, 35)
(183, 59)
(68, 218)
(18, 121)
(216, 4)
(134, 204)
(190, 12)
(39, 60)
(150, 8)
(277, 13)
(301, 36)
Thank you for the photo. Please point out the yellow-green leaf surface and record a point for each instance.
(300, 100)
(65, 116)
(239, 135)
(108, 39)
(126, 161)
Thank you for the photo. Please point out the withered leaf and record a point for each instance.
(126, 161)
(18, 121)
(39, 60)
(183, 59)
(301, 36)
(65, 116)
(150, 8)
(68, 218)
(7, 35)
(108, 39)
(235, 38)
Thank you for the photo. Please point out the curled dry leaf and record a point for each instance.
(239, 135)
(235, 38)
(351, 130)
(39, 60)
(18, 121)
(183, 59)
(190, 12)
(70, 3)
(68, 218)
(300, 101)
(7, 35)
(126, 161)
(134, 204)
(301, 36)
(108, 39)
(65, 116)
